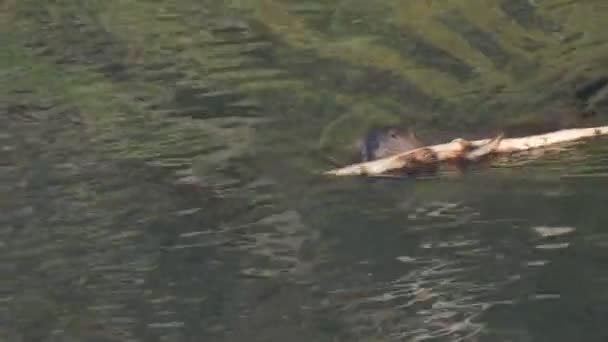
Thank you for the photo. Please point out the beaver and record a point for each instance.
(390, 140)
(386, 141)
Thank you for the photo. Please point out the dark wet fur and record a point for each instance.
(386, 141)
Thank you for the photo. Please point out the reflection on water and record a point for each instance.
(159, 165)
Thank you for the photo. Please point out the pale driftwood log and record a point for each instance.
(463, 149)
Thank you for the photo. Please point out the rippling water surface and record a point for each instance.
(160, 172)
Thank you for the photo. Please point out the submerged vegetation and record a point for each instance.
(338, 66)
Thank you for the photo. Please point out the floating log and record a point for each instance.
(460, 149)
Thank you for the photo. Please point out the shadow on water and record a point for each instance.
(160, 162)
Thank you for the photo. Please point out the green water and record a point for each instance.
(160, 171)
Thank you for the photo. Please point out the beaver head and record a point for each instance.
(385, 141)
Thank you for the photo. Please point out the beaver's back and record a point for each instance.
(386, 141)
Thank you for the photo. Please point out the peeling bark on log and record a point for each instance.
(463, 149)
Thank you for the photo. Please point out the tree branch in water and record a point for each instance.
(460, 149)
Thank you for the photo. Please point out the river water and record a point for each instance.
(160, 168)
